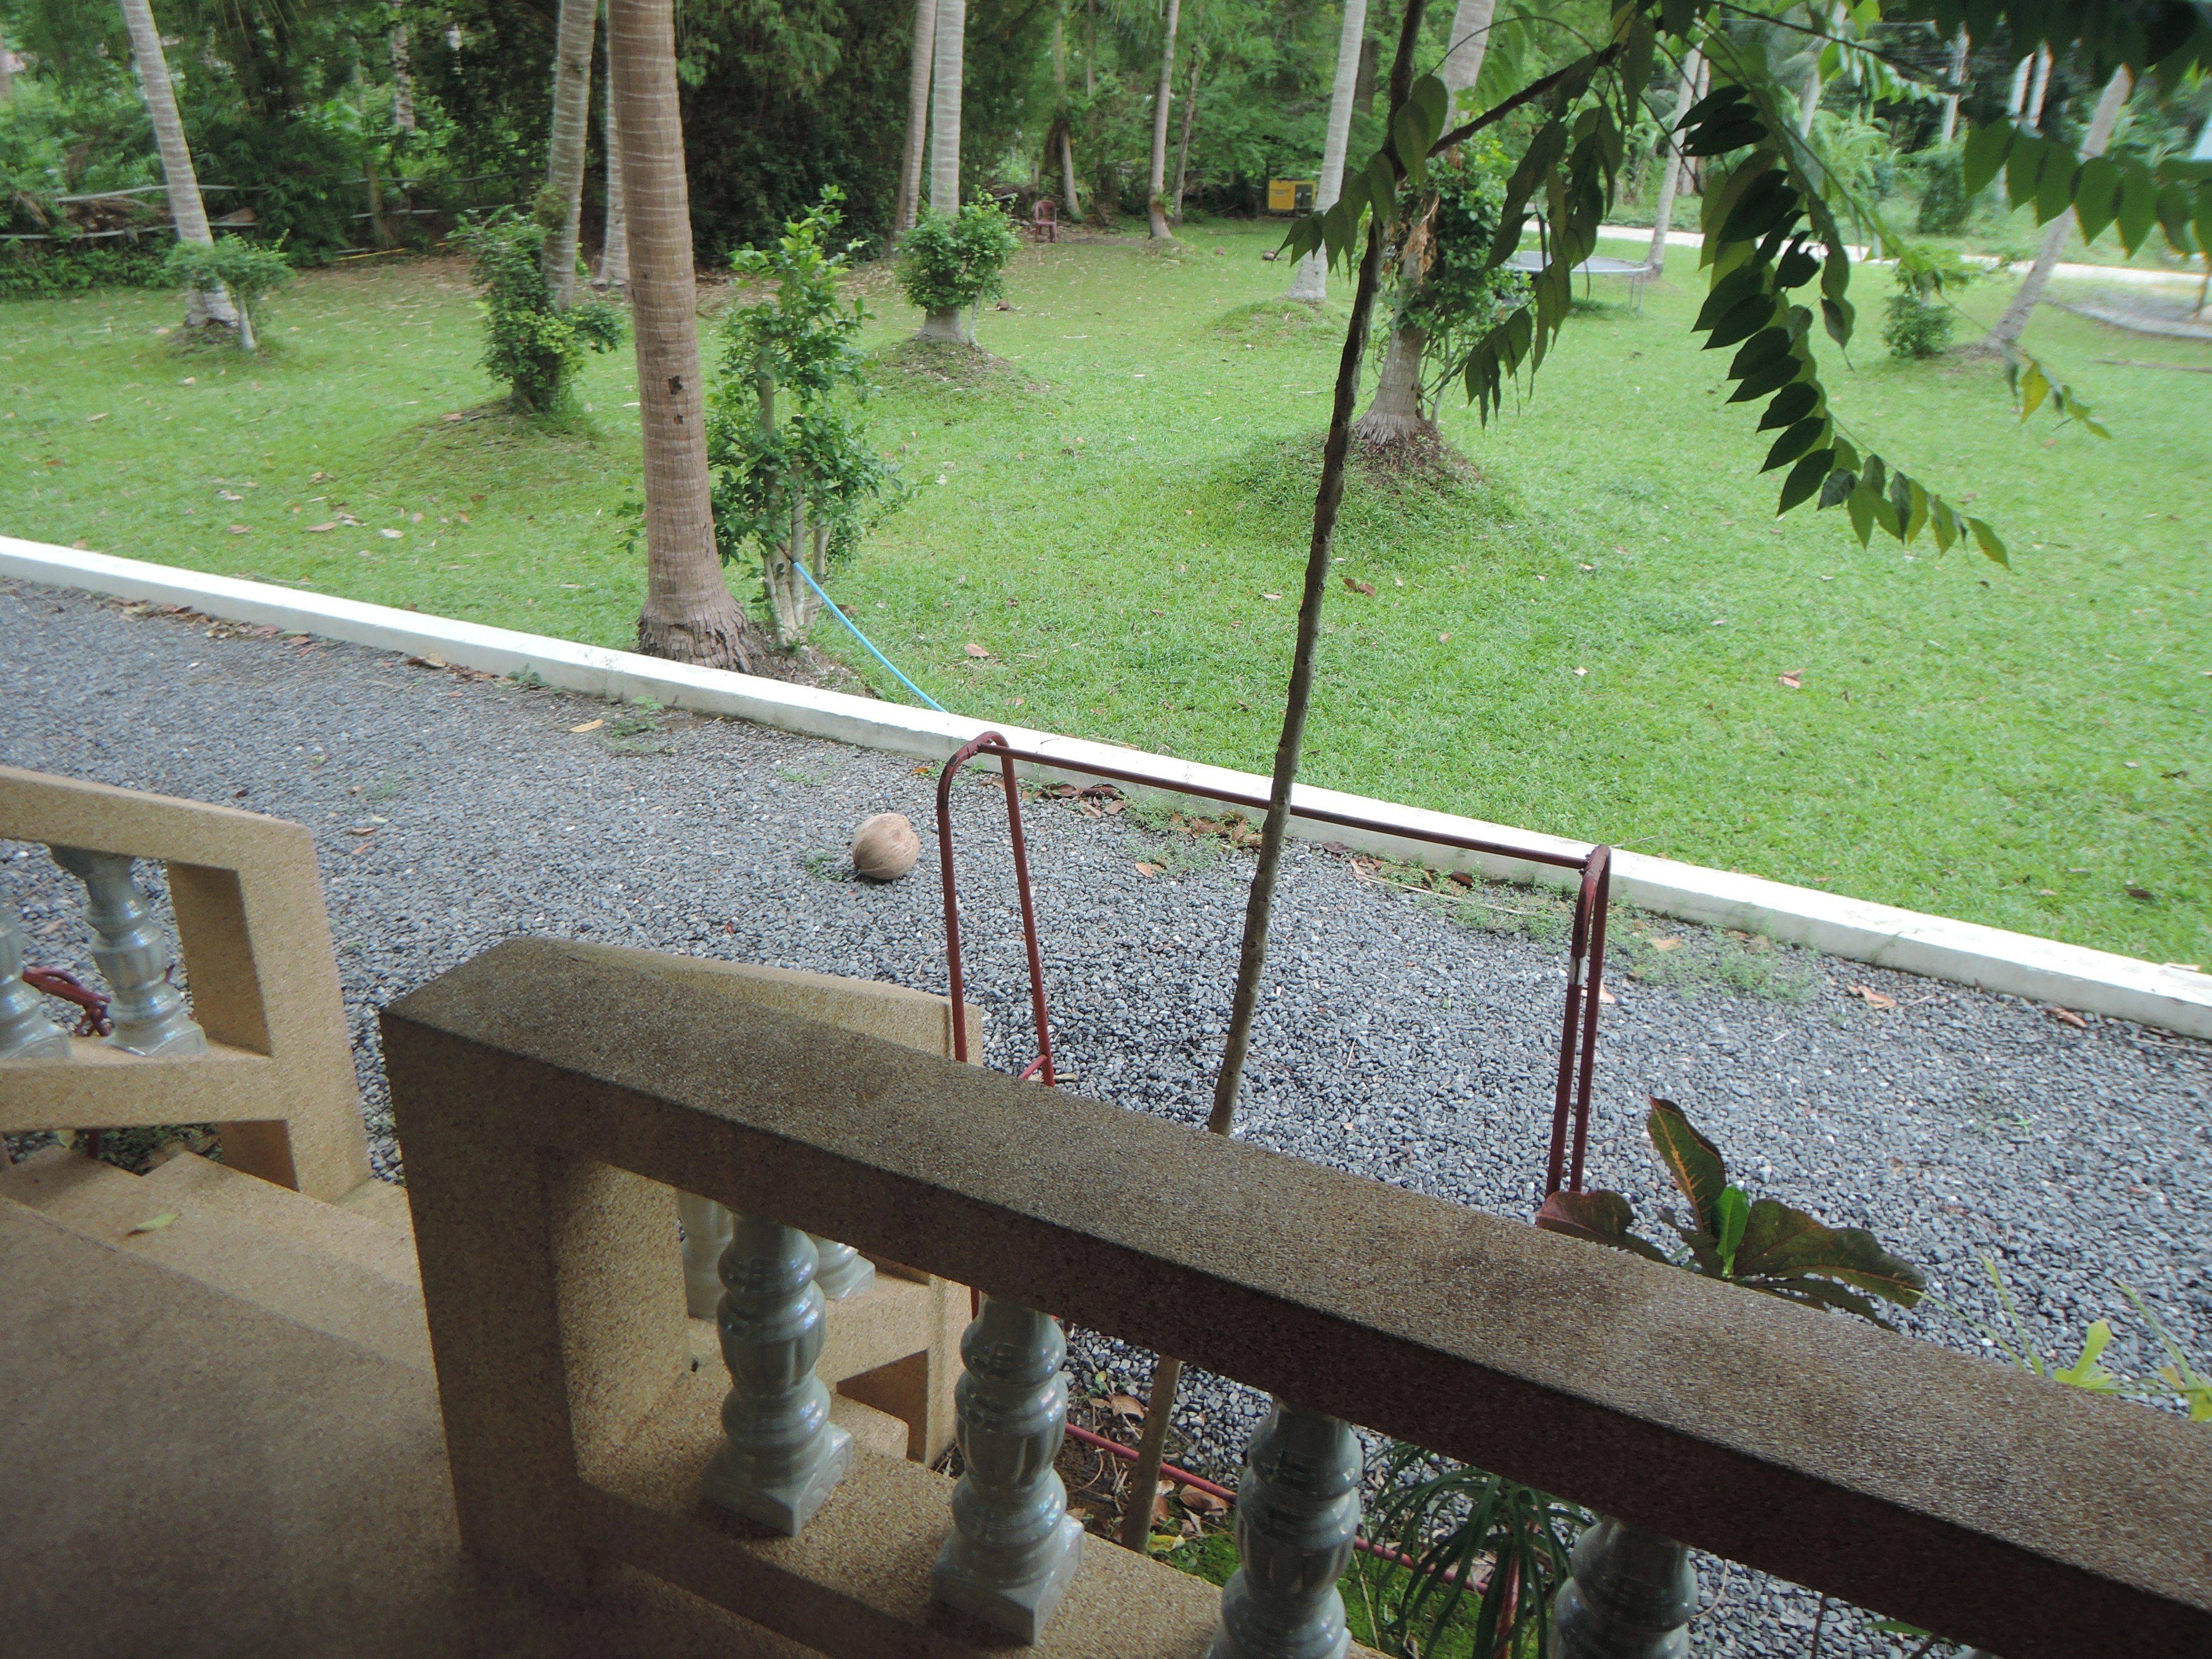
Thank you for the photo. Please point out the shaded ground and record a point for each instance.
(1405, 1037)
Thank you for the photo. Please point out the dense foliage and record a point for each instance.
(796, 479)
(1461, 294)
(950, 262)
(535, 348)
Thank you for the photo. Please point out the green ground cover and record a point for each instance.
(1586, 634)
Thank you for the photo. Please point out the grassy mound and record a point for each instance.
(1264, 492)
(1281, 322)
(939, 364)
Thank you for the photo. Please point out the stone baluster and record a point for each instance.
(148, 1010)
(25, 1033)
(706, 1235)
(840, 1270)
(1014, 1548)
(1298, 1509)
(1633, 1596)
(843, 1271)
(782, 1455)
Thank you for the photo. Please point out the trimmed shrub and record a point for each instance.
(535, 349)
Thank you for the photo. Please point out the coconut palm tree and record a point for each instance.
(614, 246)
(2007, 328)
(689, 615)
(1662, 219)
(403, 78)
(1396, 414)
(917, 115)
(1310, 277)
(952, 38)
(564, 152)
(188, 212)
(1155, 207)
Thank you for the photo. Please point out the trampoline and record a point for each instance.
(1637, 271)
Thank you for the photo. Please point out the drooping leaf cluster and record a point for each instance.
(1772, 220)
(535, 348)
(950, 261)
(789, 448)
(1761, 1244)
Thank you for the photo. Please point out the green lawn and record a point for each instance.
(1109, 515)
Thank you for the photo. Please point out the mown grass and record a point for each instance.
(1108, 514)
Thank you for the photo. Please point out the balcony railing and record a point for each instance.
(261, 1048)
(550, 1095)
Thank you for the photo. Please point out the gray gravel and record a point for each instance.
(1403, 1037)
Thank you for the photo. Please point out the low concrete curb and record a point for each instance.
(1991, 958)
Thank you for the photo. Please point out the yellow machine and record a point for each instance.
(1292, 195)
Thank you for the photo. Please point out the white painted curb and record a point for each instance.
(2070, 976)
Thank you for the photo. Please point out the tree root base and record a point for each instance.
(728, 640)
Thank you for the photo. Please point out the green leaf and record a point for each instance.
(1729, 292)
(2033, 388)
(1760, 349)
(1694, 1162)
(1733, 1212)
(2096, 197)
(2054, 186)
(1916, 516)
(2138, 204)
(1791, 404)
(1782, 1243)
(1773, 377)
(1797, 267)
(1711, 139)
(1767, 201)
(1839, 316)
(1433, 99)
(1597, 1218)
(1985, 152)
(1840, 485)
(1678, 16)
(1804, 478)
(1860, 505)
(1742, 321)
(2023, 167)
(1796, 443)
(2173, 205)
(1988, 540)
(1944, 523)
(1721, 99)
(1411, 142)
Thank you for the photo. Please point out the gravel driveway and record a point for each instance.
(1405, 1037)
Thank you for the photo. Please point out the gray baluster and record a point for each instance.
(1633, 1596)
(843, 1271)
(1298, 1509)
(133, 958)
(782, 1455)
(1014, 1548)
(706, 1235)
(25, 1033)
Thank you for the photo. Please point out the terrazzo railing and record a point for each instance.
(550, 1095)
(262, 1049)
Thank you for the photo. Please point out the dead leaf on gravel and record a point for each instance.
(1359, 586)
(1606, 999)
(1149, 869)
(2067, 1017)
(1123, 1404)
(1666, 942)
(1872, 998)
(426, 662)
(588, 725)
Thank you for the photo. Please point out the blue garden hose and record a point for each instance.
(799, 566)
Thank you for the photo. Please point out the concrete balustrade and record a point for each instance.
(1633, 1596)
(1298, 1511)
(263, 1052)
(25, 1033)
(549, 1096)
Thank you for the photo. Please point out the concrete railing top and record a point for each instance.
(1959, 1494)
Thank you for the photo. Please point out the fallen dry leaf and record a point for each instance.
(154, 1223)
(240, 530)
(1123, 1404)
(1794, 679)
(1271, 596)
(90, 419)
(230, 495)
(1149, 869)
(455, 416)
(1359, 586)
(390, 535)
(976, 650)
(2067, 1017)
(426, 662)
(588, 725)
(316, 529)
(1872, 998)
(362, 830)
(1198, 1501)
(2144, 893)
(1441, 638)
(1606, 999)
(1666, 942)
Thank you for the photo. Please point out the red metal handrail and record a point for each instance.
(1579, 1029)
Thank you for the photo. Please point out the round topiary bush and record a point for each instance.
(948, 263)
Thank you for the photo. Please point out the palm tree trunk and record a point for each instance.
(951, 35)
(1809, 100)
(614, 245)
(1662, 219)
(1155, 207)
(689, 615)
(403, 79)
(7, 74)
(187, 211)
(2009, 327)
(2017, 100)
(564, 150)
(1397, 415)
(1067, 171)
(1309, 278)
(917, 116)
(1183, 149)
(1260, 905)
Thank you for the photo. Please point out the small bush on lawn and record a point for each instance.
(950, 262)
(250, 273)
(535, 349)
(1918, 317)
